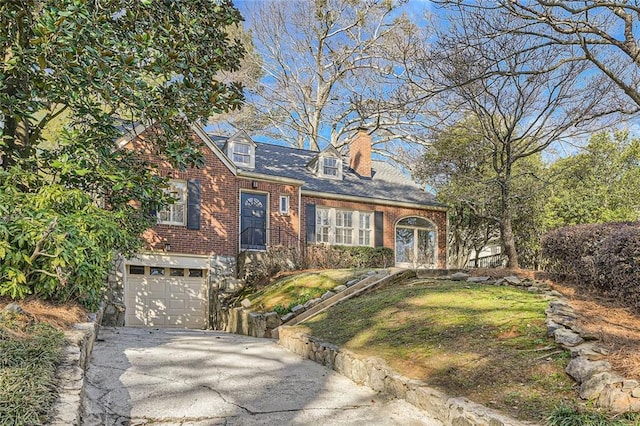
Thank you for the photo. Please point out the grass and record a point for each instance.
(297, 289)
(568, 416)
(484, 342)
(29, 353)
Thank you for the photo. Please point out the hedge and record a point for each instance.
(338, 257)
(604, 256)
(279, 259)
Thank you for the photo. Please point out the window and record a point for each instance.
(156, 271)
(364, 231)
(241, 153)
(416, 243)
(195, 273)
(330, 167)
(175, 214)
(176, 272)
(284, 204)
(323, 225)
(344, 227)
(136, 270)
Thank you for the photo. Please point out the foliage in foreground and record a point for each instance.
(29, 354)
(56, 243)
(70, 69)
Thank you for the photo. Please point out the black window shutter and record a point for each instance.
(193, 204)
(379, 229)
(310, 222)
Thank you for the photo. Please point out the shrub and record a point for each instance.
(338, 257)
(617, 265)
(57, 244)
(604, 256)
(280, 258)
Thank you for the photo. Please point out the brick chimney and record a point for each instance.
(360, 154)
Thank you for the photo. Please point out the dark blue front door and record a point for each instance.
(253, 232)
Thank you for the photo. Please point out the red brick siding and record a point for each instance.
(391, 215)
(220, 210)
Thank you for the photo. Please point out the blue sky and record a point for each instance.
(414, 8)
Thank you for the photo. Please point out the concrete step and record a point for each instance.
(366, 284)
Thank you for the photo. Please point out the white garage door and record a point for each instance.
(166, 297)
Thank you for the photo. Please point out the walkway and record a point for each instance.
(177, 377)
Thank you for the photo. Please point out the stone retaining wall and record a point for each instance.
(71, 372)
(376, 374)
(598, 383)
(243, 321)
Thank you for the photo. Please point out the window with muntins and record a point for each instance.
(330, 167)
(323, 225)
(364, 230)
(344, 227)
(241, 153)
(176, 213)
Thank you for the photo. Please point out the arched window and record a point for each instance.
(416, 245)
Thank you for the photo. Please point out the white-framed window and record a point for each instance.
(241, 153)
(364, 229)
(323, 225)
(176, 213)
(330, 167)
(284, 204)
(344, 227)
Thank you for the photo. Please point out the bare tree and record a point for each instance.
(521, 100)
(603, 33)
(334, 66)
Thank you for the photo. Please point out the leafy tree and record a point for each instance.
(459, 166)
(521, 101)
(86, 61)
(599, 184)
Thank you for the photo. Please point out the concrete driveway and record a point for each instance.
(166, 377)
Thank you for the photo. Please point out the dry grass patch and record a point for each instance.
(617, 327)
(484, 342)
(59, 315)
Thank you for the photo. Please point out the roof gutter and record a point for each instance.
(268, 178)
(438, 207)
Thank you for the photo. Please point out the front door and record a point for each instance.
(253, 221)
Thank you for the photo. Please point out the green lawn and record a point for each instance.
(484, 342)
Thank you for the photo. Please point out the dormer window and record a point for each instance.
(327, 164)
(330, 167)
(241, 149)
(241, 154)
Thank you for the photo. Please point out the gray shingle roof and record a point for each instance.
(387, 182)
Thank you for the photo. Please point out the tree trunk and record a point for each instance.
(507, 236)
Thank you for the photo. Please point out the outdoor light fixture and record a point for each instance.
(167, 246)
(254, 184)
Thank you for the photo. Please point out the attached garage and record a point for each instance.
(166, 291)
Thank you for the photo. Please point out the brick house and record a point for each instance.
(251, 195)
